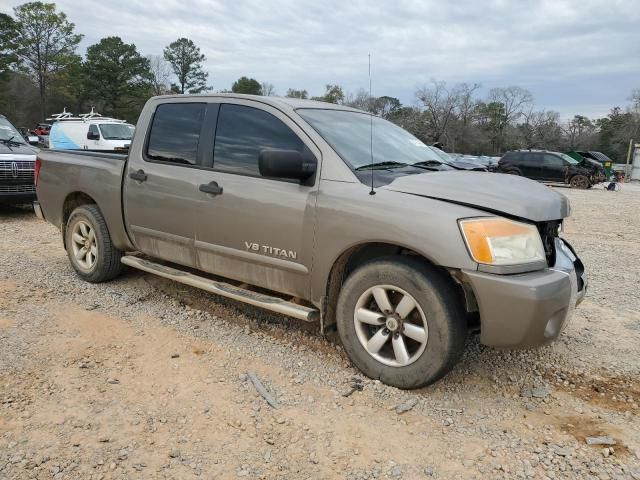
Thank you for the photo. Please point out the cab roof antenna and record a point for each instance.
(372, 191)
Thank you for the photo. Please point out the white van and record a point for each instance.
(90, 131)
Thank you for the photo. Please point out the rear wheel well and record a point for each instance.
(73, 201)
(358, 255)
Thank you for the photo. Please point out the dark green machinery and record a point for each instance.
(589, 157)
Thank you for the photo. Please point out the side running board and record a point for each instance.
(261, 300)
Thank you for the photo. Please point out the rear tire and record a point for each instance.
(413, 346)
(89, 246)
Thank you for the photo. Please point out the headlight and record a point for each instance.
(498, 241)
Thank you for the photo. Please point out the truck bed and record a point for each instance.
(65, 173)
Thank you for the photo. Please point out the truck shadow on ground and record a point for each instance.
(13, 212)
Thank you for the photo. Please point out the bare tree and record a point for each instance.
(514, 101)
(360, 100)
(635, 100)
(161, 74)
(439, 103)
(541, 129)
(268, 89)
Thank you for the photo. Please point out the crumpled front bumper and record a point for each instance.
(530, 309)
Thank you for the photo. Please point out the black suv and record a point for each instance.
(548, 166)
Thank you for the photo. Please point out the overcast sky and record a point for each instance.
(580, 56)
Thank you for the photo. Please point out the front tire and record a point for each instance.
(580, 181)
(89, 246)
(401, 321)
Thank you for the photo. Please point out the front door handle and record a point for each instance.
(138, 176)
(211, 188)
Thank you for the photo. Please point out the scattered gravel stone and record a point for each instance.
(600, 441)
(406, 406)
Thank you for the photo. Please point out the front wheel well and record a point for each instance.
(358, 255)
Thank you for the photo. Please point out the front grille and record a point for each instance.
(17, 189)
(16, 169)
(548, 234)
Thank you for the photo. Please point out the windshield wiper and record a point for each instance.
(10, 141)
(431, 164)
(385, 164)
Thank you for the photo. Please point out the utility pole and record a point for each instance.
(627, 173)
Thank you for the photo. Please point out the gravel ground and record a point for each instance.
(143, 378)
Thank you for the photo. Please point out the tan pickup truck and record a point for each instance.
(329, 215)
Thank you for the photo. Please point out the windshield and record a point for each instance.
(7, 131)
(443, 155)
(349, 134)
(569, 159)
(116, 131)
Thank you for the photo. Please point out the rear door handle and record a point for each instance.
(139, 176)
(211, 188)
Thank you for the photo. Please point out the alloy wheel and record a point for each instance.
(84, 245)
(390, 325)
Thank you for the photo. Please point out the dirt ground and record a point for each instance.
(141, 378)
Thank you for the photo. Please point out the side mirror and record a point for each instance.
(289, 164)
(93, 136)
(33, 139)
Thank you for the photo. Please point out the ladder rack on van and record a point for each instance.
(85, 117)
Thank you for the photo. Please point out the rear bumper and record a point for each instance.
(530, 309)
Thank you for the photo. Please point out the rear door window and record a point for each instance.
(553, 161)
(243, 132)
(175, 133)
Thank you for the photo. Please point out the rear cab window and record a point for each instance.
(175, 133)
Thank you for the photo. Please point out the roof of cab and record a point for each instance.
(278, 102)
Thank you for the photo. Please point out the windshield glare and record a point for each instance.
(116, 131)
(7, 131)
(349, 134)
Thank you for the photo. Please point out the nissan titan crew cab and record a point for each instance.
(326, 214)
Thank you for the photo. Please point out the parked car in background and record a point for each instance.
(30, 137)
(457, 163)
(326, 214)
(42, 129)
(17, 161)
(90, 131)
(547, 166)
(489, 163)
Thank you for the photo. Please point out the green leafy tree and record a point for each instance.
(333, 94)
(45, 44)
(293, 93)
(186, 61)
(386, 107)
(247, 85)
(116, 77)
(8, 34)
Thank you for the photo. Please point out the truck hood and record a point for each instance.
(17, 152)
(494, 192)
